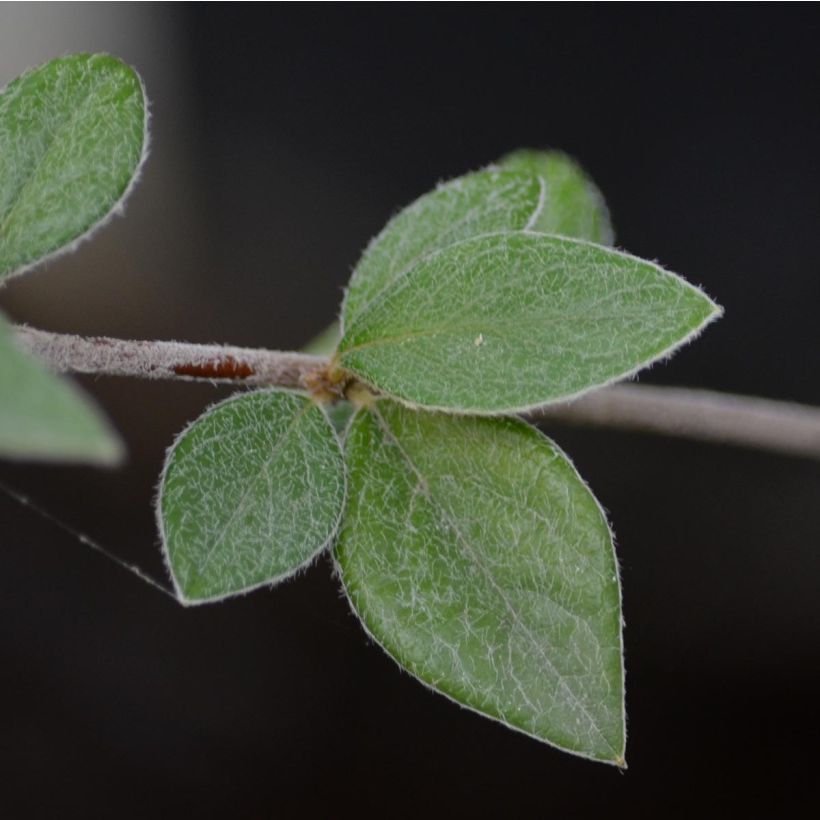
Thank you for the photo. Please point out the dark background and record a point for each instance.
(282, 142)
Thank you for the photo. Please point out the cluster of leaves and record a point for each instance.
(466, 542)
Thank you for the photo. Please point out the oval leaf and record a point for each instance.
(479, 203)
(251, 492)
(72, 136)
(573, 205)
(476, 556)
(47, 417)
(506, 322)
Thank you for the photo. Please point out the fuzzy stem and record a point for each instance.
(168, 360)
(764, 424)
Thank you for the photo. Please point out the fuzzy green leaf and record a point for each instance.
(46, 417)
(483, 202)
(478, 559)
(573, 205)
(506, 322)
(72, 136)
(251, 492)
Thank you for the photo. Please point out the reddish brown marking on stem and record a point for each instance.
(226, 367)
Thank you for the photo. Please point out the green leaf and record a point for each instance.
(251, 492)
(478, 559)
(483, 202)
(46, 417)
(506, 322)
(72, 136)
(573, 205)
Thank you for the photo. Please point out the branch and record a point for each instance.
(763, 424)
(724, 418)
(168, 360)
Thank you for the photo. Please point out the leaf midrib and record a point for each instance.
(477, 325)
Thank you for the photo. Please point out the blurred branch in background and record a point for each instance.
(705, 415)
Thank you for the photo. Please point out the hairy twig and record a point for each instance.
(764, 424)
(65, 353)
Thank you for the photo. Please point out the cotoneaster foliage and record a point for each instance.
(466, 542)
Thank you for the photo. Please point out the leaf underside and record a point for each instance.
(72, 135)
(252, 491)
(43, 416)
(478, 559)
(506, 322)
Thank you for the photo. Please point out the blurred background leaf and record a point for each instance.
(44, 417)
(72, 135)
